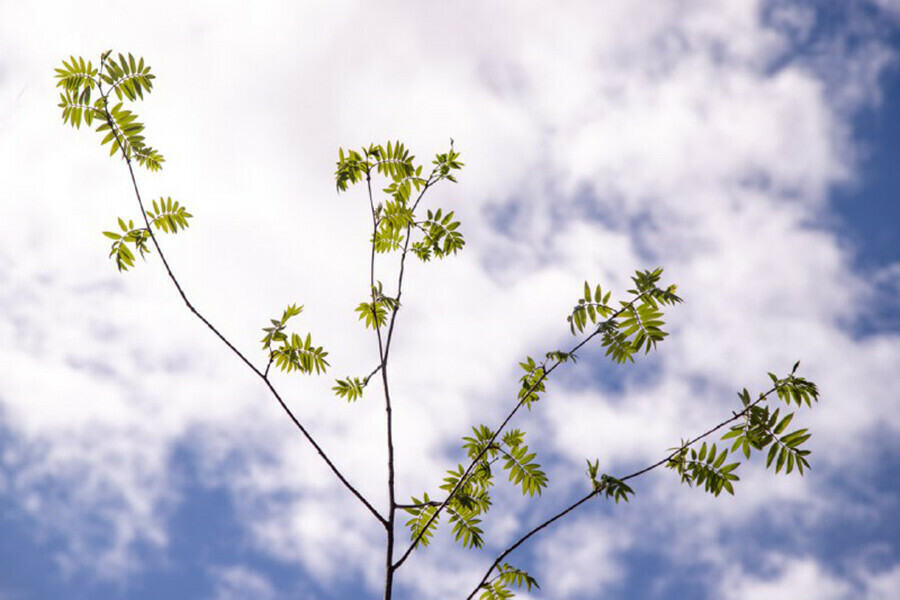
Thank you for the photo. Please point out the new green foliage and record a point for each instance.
(292, 352)
(375, 313)
(705, 467)
(635, 325)
(507, 576)
(761, 427)
(621, 329)
(396, 216)
(607, 485)
(350, 388)
(168, 215)
(532, 382)
(423, 521)
(441, 237)
(128, 79)
(523, 470)
(120, 252)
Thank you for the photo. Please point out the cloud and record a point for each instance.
(598, 139)
(238, 582)
(801, 578)
(882, 585)
(891, 7)
(578, 559)
(804, 577)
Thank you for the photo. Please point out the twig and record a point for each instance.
(225, 340)
(598, 490)
(467, 472)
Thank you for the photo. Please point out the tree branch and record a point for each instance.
(508, 418)
(383, 357)
(598, 490)
(225, 340)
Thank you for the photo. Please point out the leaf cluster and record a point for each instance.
(759, 428)
(76, 74)
(441, 236)
(350, 388)
(78, 80)
(795, 389)
(446, 163)
(762, 427)
(293, 352)
(592, 306)
(471, 499)
(705, 467)
(395, 218)
(168, 215)
(469, 490)
(300, 355)
(423, 522)
(609, 486)
(507, 576)
(532, 382)
(523, 470)
(129, 79)
(126, 131)
(392, 160)
(635, 325)
(275, 333)
(375, 312)
(136, 236)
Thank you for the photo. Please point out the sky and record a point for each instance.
(748, 147)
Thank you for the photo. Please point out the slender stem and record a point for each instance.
(384, 349)
(598, 490)
(383, 358)
(390, 334)
(419, 505)
(228, 343)
(372, 374)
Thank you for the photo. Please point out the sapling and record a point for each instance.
(404, 223)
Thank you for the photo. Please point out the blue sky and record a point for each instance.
(749, 147)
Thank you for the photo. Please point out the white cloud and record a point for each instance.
(891, 6)
(882, 585)
(239, 582)
(617, 136)
(581, 558)
(800, 578)
(791, 578)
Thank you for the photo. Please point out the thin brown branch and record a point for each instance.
(384, 349)
(508, 418)
(599, 490)
(228, 343)
(372, 374)
(383, 358)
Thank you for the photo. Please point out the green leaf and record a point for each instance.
(465, 525)
(782, 425)
(422, 514)
(773, 451)
(374, 315)
(516, 577)
(523, 470)
(350, 388)
(615, 488)
(168, 215)
(480, 444)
